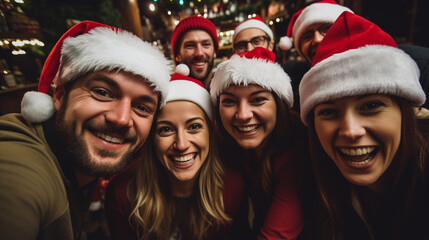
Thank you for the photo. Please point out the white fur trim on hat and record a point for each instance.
(253, 23)
(190, 91)
(106, 49)
(315, 13)
(37, 107)
(243, 71)
(367, 70)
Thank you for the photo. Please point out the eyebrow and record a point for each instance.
(251, 94)
(187, 121)
(113, 84)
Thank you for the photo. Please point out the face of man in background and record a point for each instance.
(249, 38)
(311, 38)
(197, 51)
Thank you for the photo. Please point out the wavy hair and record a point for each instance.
(151, 196)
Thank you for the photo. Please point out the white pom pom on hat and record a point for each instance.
(182, 69)
(285, 43)
(88, 47)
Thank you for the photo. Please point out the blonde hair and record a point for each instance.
(152, 200)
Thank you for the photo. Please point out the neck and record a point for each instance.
(181, 188)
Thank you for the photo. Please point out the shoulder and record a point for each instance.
(29, 174)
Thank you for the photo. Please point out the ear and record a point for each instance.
(177, 59)
(271, 45)
(58, 97)
(214, 55)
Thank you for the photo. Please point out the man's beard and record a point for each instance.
(200, 76)
(74, 149)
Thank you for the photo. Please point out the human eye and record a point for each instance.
(259, 100)
(142, 110)
(189, 46)
(326, 112)
(227, 102)
(257, 41)
(307, 36)
(195, 126)
(101, 94)
(164, 131)
(372, 106)
(324, 29)
(241, 45)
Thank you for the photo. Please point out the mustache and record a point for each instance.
(111, 129)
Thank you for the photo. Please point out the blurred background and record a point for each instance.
(30, 28)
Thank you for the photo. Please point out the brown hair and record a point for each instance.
(152, 201)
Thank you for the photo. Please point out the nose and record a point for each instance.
(120, 114)
(317, 38)
(181, 142)
(249, 47)
(199, 50)
(351, 127)
(244, 112)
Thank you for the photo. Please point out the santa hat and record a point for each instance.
(254, 67)
(354, 58)
(254, 22)
(186, 88)
(325, 11)
(89, 47)
(192, 23)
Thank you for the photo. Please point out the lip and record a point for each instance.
(108, 141)
(184, 161)
(247, 130)
(199, 64)
(358, 157)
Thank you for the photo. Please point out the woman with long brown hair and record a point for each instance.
(260, 137)
(369, 144)
(175, 190)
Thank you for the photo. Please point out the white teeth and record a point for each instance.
(109, 138)
(248, 128)
(185, 158)
(199, 63)
(356, 151)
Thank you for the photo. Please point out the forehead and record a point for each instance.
(180, 110)
(248, 34)
(196, 35)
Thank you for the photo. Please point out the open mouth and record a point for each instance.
(248, 129)
(184, 159)
(358, 156)
(109, 138)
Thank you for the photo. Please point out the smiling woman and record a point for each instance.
(262, 138)
(176, 189)
(368, 148)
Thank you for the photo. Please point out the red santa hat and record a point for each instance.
(186, 88)
(88, 47)
(356, 57)
(325, 11)
(192, 23)
(254, 22)
(254, 67)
